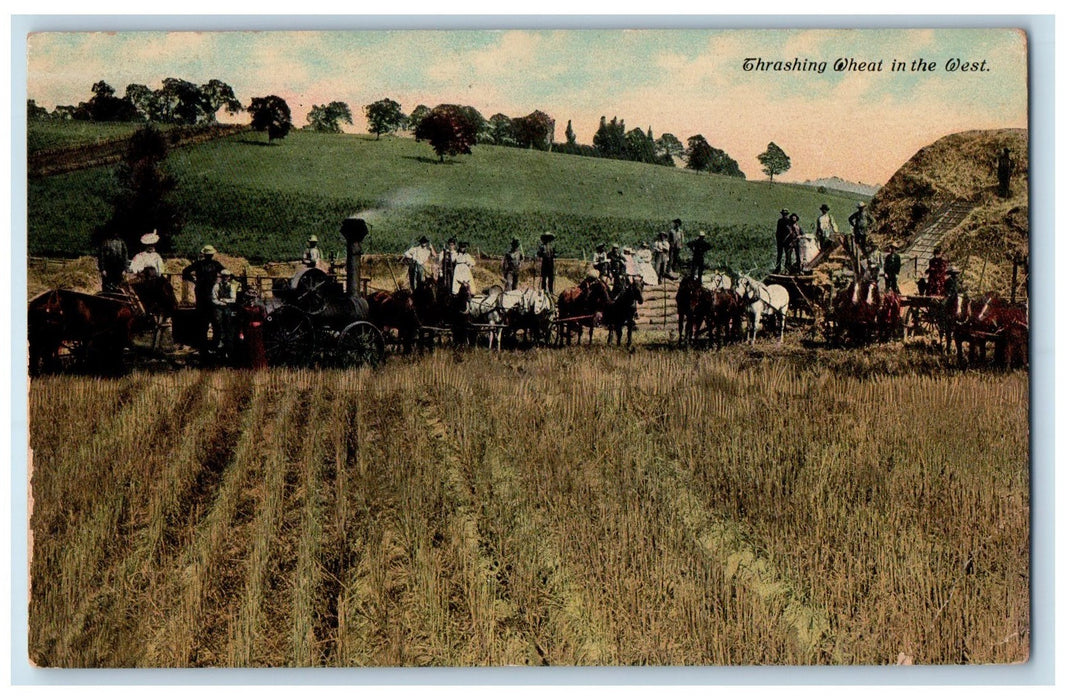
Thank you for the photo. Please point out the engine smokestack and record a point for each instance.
(354, 231)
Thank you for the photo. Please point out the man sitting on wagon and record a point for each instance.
(936, 274)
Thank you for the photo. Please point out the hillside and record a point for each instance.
(962, 168)
(261, 201)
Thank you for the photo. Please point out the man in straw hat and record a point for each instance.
(825, 228)
(203, 274)
(546, 253)
(676, 237)
(312, 253)
(148, 263)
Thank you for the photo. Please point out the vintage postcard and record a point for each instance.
(487, 348)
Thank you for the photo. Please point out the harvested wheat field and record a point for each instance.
(569, 507)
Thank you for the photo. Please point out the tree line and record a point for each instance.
(449, 129)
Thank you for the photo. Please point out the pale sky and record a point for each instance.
(858, 125)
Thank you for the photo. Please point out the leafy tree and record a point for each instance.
(64, 112)
(417, 115)
(271, 114)
(181, 102)
(481, 125)
(535, 130)
(216, 95)
(501, 130)
(774, 161)
(610, 138)
(698, 154)
(34, 112)
(721, 163)
(670, 146)
(105, 107)
(448, 129)
(144, 201)
(384, 117)
(571, 137)
(327, 118)
(145, 100)
(640, 147)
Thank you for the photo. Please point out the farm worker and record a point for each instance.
(148, 263)
(446, 262)
(312, 253)
(112, 261)
(936, 274)
(677, 239)
(616, 263)
(806, 246)
(781, 235)
(462, 263)
(860, 226)
(826, 227)
(600, 263)
(893, 264)
(661, 256)
(223, 298)
(642, 259)
(203, 274)
(699, 247)
(951, 285)
(546, 253)
(417, 256)
(512, 261)
(1004, 168)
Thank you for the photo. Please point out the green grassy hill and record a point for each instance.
(262, 200)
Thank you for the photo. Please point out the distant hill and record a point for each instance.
(836, 183)
(962, 167)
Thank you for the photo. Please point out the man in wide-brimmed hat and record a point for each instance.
(512, 261)
(600, 263)
(860, 226)
(148, 263)
(204, 274)
(546, 253)
(782, 235)
(892, 265)
(416, 258)
(312, 253)
(699, 247)
(825, 228)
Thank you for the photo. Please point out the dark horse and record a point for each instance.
(396, 311)
(92, 330)
(622, 312)
(582, 306)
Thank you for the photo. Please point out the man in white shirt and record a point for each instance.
(417, 256)
(312, 253)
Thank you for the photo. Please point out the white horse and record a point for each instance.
(763, 299)
(487, 309)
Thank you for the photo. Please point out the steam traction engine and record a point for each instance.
(317, 321)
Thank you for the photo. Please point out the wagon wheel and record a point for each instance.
(360, 343)
(309, 290)
(556, 334)
(288, 337)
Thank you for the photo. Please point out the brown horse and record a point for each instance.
(889, 316)
(583, 305)
(694, 307)
(855, 312)
(726, 319)
(93, 331)
(1006, 324)
(396, 311)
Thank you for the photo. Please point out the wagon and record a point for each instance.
(920, 315)
(314, 319)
